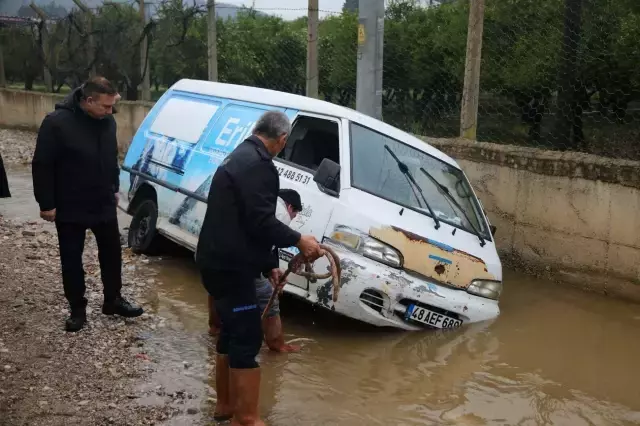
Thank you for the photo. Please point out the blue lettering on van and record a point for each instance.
(166, 159)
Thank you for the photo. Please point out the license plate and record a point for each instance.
(434, 319)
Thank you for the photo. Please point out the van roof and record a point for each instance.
(304, 103)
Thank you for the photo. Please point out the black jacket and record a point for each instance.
(75, 164)
(4, 183)
(240, 227)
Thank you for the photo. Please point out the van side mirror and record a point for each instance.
(493, 230)
(328, 177)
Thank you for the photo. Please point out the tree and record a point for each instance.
(350, 6)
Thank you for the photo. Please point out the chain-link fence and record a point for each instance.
(557, 74)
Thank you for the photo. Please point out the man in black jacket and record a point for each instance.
(75, 182)
(240, 229)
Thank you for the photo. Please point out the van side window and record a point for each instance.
(311, 141)
(176, 112)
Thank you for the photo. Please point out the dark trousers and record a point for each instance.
(236, 303)
(71, 237)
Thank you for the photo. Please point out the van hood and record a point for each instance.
(433, 259)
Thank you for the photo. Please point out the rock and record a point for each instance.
(186, 364)
(7, 367)
(29, 233)
(192, 410)
(83, 403)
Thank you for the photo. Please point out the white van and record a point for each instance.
(416, 248)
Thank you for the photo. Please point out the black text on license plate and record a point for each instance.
(431, 318)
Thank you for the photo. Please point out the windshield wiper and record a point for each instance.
(445, 191)
(405, 171)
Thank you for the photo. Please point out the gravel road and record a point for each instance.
(49, 377)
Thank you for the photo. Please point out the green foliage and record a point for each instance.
(424, 60)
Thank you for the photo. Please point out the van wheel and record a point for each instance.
(143, 236)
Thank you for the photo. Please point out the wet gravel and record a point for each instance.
(48, 376)
(105, 374)
(17, 146)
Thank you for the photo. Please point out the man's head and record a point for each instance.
(273, 128)
(98, 96)
(292, 200)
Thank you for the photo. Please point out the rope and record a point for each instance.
(295, 266)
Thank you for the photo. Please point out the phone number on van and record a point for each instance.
(292, 175)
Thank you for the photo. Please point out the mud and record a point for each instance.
(554, 356)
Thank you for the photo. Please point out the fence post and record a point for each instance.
(471, 90)
(90, 40)
(144, 57)
(370, 58)
(312, 50)
(46, 53)
(212, 41)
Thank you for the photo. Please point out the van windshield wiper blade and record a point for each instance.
(404, 169)
(445, 191)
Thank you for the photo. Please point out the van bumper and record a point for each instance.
(380, 295)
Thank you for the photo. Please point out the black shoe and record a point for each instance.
(76, 321)
(121, 307)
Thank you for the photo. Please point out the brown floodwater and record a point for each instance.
(555, 356)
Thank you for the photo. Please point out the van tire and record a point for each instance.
(143, 235)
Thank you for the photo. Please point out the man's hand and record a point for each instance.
(274, 278)
(49, 215)
(310, 248)
(117, 196)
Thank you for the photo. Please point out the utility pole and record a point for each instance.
(312, 50)
(144, 57)
(91, 48)
(471, 90)
(212, 40)
(370, 43)
(46, 53)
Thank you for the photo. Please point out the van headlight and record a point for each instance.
(367, 246)
(486, 288)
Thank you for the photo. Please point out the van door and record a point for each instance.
(313, 138)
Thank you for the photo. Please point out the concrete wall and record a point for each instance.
(568, 215)
(25, 110)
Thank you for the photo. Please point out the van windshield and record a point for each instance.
(376, 171)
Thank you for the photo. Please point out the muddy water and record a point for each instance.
(554, 356)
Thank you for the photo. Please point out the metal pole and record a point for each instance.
(212, 40)
(46, 52)
(91, 48)
(144, 60)
(471, 90)
(370, 57)
(312, 50)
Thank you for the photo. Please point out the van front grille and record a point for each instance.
(373, 299)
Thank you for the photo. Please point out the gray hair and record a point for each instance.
(272, 124)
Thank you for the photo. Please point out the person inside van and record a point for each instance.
(235, 245)
(289, 205)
